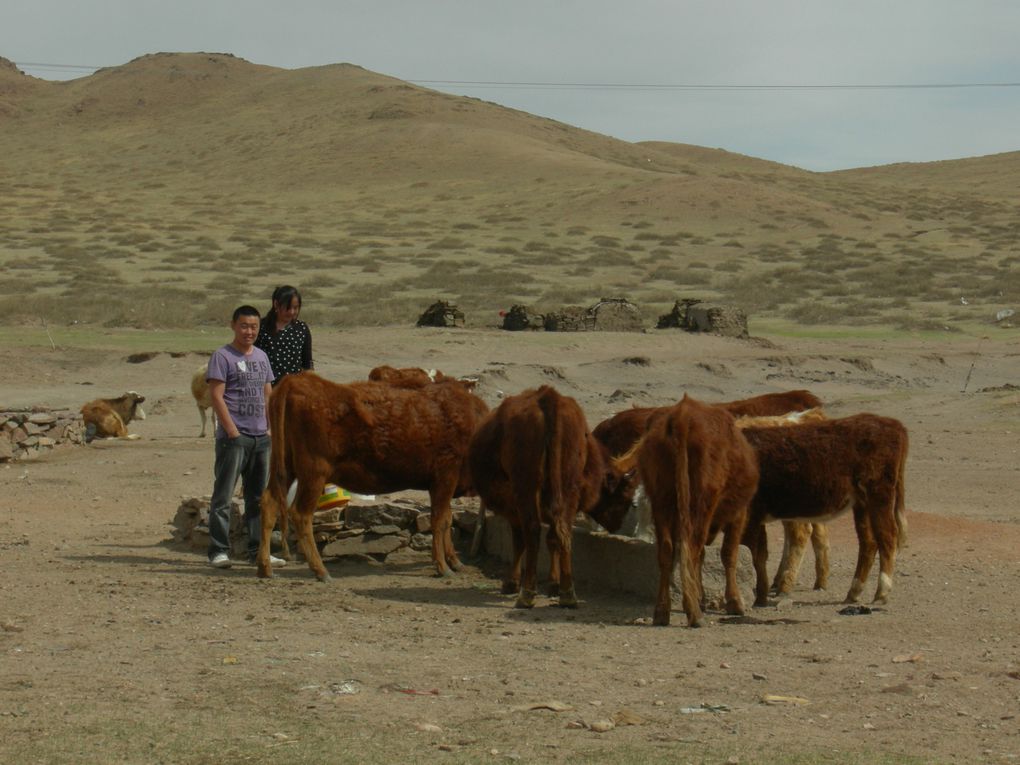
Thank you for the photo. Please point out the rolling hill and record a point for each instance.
(160, 192)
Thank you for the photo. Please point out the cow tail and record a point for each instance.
(683, 528)
(901, 507)
(279, 477)
(551, 491)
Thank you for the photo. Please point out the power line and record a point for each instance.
(614, 86)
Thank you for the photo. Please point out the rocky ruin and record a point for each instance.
(441, 314)
(607, 315)
(695, 315)
(27, 433)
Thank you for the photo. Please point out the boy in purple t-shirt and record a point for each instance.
(240, 383)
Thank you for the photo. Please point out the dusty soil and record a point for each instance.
(117, 647)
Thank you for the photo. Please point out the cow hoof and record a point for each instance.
(553, 590)
(510, 588)
(568, 602)
(445, 573)
(695, 624)
(324, 577)
(880, 601)
(525, 600)
(661, 619)
(455, 565)
(265, 573)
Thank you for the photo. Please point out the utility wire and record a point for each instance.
(635, 85)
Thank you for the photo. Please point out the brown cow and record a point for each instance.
(817, 471)
(796, 535)
(370, 438)
(108, 417)
(700, 475)
(533, 461)
(620, 432)
(416, 377)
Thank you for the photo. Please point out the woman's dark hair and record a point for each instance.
(283, 296)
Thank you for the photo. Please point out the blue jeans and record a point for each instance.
(247, 458)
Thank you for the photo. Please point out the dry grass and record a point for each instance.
(373, 221)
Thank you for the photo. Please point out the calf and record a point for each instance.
(200, 392)
(370, 438)
(533, 461)
(700, 474)
(816, 471)
(796, 535)
(108, 417)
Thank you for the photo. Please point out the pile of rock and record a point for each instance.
(26, 433)
(607, 315)
(696, 315)
(441, 314)
(357, 530)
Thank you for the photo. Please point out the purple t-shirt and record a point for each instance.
(244, 379)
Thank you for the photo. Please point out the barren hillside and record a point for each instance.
(158, 192)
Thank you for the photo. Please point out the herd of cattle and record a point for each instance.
(703, 469)
(692, 470)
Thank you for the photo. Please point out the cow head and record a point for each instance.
(616, 495)
(134, 406)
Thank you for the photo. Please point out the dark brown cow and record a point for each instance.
(370, 438)
(816, 471)
(620, 432)
(700, 475)
(533, 461)
(108, 417)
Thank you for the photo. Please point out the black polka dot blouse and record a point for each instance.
(289, 350)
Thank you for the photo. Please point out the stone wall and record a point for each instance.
(27, 433)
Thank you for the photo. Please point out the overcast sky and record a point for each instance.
(578, 50)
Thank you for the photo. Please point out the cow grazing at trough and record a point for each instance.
(203, 400)
(620, 432)
(533, 461)
(700, 474)
(108, 417)
(816, 471)
(370, 438)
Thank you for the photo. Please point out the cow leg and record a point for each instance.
(564, 529)
(512, 583)
(270, 507)
(729, 552)
(757, 541)
(284, 533)
(305, 501)
(795, 539)
(201, 411)
(690, 576)
(883, 523)
(532, 540)
(443, 553)
(866, 548)
(552, 542)
(665, 551)
(820, 544)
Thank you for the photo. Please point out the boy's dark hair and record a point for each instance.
(246, 310)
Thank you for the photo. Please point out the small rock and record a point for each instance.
(758, 676)
(425, 727)
(602, 726)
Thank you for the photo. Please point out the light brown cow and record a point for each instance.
(203, 399)
(620, 432)
(370, 438)
(533, 461)
(816, 471)
(108, 417)
(700, 475)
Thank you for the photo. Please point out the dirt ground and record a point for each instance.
(116, 646)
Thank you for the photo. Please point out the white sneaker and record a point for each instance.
(220, 560)
(273, 561)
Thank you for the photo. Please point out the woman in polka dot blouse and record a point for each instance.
(286, 340)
